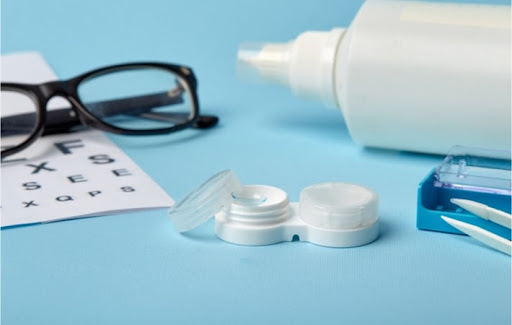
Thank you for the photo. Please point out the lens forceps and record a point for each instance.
(488, 213)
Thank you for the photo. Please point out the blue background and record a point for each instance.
(135, 268)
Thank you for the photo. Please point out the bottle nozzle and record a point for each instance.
(267, 61)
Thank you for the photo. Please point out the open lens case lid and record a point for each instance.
(328, 214)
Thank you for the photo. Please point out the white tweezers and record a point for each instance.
(487, 213)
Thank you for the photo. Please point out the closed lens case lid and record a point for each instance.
(338, 206)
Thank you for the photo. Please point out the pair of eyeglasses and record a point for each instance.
(128, 99)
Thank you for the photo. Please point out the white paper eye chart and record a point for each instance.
(74, 175)
(71, 175)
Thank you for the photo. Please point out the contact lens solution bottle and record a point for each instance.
(406, 75)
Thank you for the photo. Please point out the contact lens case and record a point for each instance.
(328, 214)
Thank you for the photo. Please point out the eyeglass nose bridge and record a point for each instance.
(72, 117)
(55, 88)
(67, 91)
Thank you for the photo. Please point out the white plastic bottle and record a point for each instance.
(411, 76)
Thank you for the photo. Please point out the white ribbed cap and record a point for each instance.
(306, 65)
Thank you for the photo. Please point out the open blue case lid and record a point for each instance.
(475, 169)
(475, 174)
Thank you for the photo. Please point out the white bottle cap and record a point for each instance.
(306, 65)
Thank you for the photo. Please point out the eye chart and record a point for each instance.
(71, 175)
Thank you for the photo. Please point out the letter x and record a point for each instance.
(29, 204)
(41, 166)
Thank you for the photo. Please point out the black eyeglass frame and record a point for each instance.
(42, 93)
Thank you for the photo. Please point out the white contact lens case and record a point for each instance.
(328, 214)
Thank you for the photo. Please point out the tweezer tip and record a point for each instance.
(448, 220)
(459, 225)
(465, 203)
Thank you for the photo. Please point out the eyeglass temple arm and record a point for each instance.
(64, 119)
(142, 106)
(134, 105)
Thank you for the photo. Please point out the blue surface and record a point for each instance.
(135, 268)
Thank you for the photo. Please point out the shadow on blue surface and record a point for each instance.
(159, 141)
(328, 124)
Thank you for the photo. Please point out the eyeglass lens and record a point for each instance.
(19, 118)
(141, 98)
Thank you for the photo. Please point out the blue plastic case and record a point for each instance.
(466, 173)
